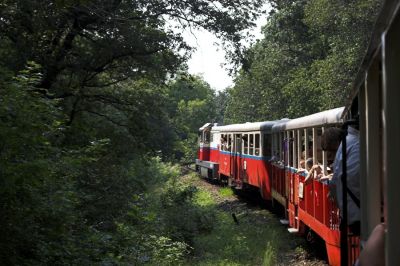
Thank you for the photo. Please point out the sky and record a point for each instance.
(207, 60)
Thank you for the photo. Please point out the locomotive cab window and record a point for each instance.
(223, 142)
(207, 136)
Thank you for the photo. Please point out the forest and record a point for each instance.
(98, 110)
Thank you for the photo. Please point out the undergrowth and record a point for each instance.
(226, 192)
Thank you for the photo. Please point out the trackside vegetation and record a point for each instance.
(95, 100)
(255, 238)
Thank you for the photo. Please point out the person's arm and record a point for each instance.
(373, 253)
(325, 177)
(301, 170)
(312, 174)
(309, 177)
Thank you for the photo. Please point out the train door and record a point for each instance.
(245, 153)
(236, 159)
(206, 144)
(265, 181)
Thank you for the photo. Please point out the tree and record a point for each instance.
(84, 109)
(306, 62)
(221, 102)
(191, 104)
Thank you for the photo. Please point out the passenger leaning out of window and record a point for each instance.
(331, 142)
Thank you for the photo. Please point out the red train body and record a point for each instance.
(237, 152)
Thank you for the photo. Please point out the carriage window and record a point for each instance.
(290, 147)
(257, 145)
(316, 151)
(303, 146)
(251, 144)
(267, 145)
(308, 144)
(212, 138)
(281, 147)
(294, 148)
(245, 143)
(229, 146)
(319, 149)
(300, 148)
(238, 143)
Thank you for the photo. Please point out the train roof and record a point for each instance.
(328, 117)
(253, 126)
(205, 126)
(388, 12)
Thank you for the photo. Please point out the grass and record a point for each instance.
(203, 198)
(251, 242)
(226, 192)
(254, 241)
(258, 239)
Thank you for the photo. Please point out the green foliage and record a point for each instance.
(187, 211)
(204, 199)
(221, 102)
(306, 62)
(191, 103)
(85, 107)
(226, 192)
(29, 125)
(70, 195)
(160, 225)
(132, 37)
(270, 255)
(253, 242)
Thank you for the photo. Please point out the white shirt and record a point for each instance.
(353, 174)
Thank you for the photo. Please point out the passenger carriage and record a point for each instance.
(239, 154)
(308, 205)
(245, 152)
